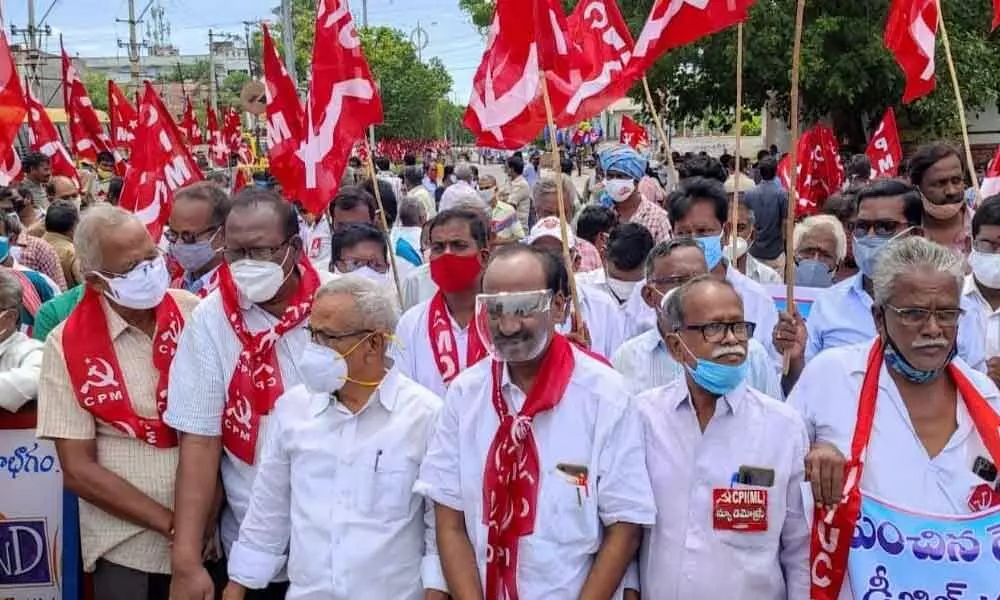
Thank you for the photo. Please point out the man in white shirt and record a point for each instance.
(320, 233)
(645, 360)
(384, 172)
(701, 211)
(413, 179)
(628, 246)
(195, 234)
(238, 353)
(436, 338)
(982, 286)
(353, 435)
(406, 235)
(563, 511)
(745, 236)
(938, 433)
(726, 464)
(20, 356)
(461, 189)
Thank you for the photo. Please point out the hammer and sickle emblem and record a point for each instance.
(99, 375)
(241, 411)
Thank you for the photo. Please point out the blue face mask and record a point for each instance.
(716, 378)
(711, 245)
(866, 251)
(898, 363)
(813, 273)
(4, 247)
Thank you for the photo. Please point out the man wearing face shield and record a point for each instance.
(238, 355)
(564, 510)
(645, 360)
(196, 237)
(727, 457)
(938, 432)
(623, 168)
(939, 171)
(102, 395)
(354, 408)
(887, 210)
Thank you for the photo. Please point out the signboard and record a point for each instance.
(804, 297)
(30, 517)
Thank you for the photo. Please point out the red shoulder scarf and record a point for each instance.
(510, 482)
(833, 530)
(256, 383)
(443, 344)
(97, 378)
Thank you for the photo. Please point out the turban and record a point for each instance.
(624, 159)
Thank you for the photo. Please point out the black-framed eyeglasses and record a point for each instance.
(188, 237)
(914, 317)
(349, 265)
(263, 253)
(325, 338)
(716, 332)
(881, 227)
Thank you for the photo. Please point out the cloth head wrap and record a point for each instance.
(624, 159)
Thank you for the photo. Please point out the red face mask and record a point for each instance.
(455, 273)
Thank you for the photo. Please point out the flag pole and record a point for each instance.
(385, 223)
(659, 125)
(735, 204)
(970, 163)
(793, 165)
(563, 230)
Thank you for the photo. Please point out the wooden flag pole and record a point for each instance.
(385, 223)
(563, 228)
(659, 126)
(970, 163)
(734, 206)
(793, 165)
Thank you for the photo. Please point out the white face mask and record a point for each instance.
(323, 369)
(620, 190)
(258, 280)
(738, 250)
(366, 272)
(142, 288)
(621, 289)
(986, 268)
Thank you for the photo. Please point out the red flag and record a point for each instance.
(124, 117)
(12, 115)
(232, 125)
(244, 177)
(44, 137)
(884, 150)
(284, 121)
(910, 33)
(674, 23)
(820, 172)
(190, 126)
(217, 148)
(87, 135)
(996, 14)
(160, 165)
(633, 133)
(991, 183)
(343, 102)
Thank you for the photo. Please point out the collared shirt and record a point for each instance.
(206, 358)
(762, 273)
(320, 244)
(590, 258)
(410, 235)
(55, 311)
(66, 251)
(457, 191)
(150, 470)
(769, 203)
(206, 282)
(758, 307)
(20, 369)
(842, 315)
(369, 538)
(990, 317)
(603, 317)
(418, 286)
(651, 190)
(646, 364)
(653, 218)
(38, 255)
(425, 197)
(595, 425)
(682, 556)
(413, 353)
(519, 197)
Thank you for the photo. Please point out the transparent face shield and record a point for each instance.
(515, 326)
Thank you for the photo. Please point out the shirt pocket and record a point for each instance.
(390, 488)
(757, 539)
(568, 511)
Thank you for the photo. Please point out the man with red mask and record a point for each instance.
(439, 328)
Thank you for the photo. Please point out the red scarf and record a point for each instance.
(30, 298)
(96, 376)
(510, 481)
(256, 383)
(833, 531)
(443, 343)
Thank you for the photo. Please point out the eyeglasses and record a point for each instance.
(716, 332)
(882, 227)
(350, 265)
(188, 237)
(325, 338)
(674, 281)
(264, 253)
(914, 317)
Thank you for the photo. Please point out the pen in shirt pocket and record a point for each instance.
(378, 457)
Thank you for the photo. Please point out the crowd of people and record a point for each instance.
(415, 395)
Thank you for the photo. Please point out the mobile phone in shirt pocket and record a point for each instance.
(391, 487)
(568, 497)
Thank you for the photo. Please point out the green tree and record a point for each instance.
(197, 71)
(230, 88)
(847, 75)
(97, 88)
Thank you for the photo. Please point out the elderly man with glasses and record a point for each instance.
(820, 247)
(194, 232)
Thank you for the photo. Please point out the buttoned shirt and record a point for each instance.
(762, 273)
(519, 197)
(758, 307)
(38, 255)
(369, 536)
(653, 218)
(646, 364)
(412, 351)
(682, 556)
(990, 317)
(20, 369)
(418, 286)
(149, 469)
(897, 467)
(199, 380)
(595, 425)
(64, 249)
(842, 315)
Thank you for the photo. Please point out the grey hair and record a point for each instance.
(666, 249)
(550, 183)
(375, 303)
(828, 222)
(912, 253)
(411, 211)
(11, 292)
(93, 223)
(673, 312)
(463, 171)
(751, 215)
(488, 177)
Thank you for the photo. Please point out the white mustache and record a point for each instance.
(935, 343)
(729, 350)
